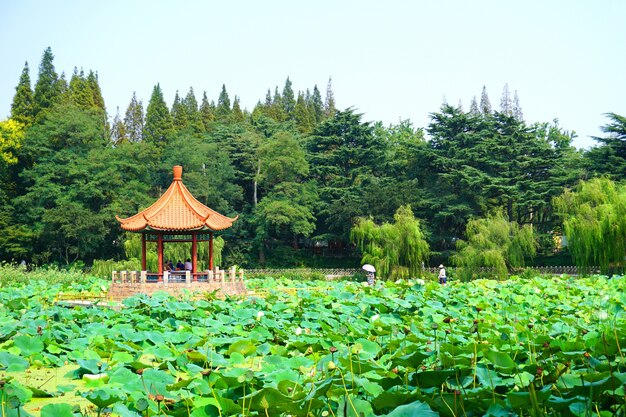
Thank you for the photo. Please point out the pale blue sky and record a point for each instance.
(390, 60)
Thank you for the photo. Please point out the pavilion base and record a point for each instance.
(125, 284)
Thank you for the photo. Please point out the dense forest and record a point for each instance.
(297, 170)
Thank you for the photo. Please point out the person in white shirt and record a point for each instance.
(442, 275)
(188, 266)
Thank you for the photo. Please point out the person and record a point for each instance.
(188, 265)
(179, 265)
(168, 265)
(442, 275)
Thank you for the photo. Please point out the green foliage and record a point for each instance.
(47, 89)
(609, 158)
(495, 243)
(396, 250)
(159, 125)
(594, 222)
(22, 106)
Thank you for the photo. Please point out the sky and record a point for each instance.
(391, 60)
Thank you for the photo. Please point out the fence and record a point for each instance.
(338, 272)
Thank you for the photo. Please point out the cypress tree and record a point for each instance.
(22, 106)
(134, 119)
(223, 105)
(237, 114)
(517, 109)
(159, 125)
(79, 92)
(94, 86)
(64, 89)
(207, 112)
(302, 116)
(506, 106)
(289, 101)
(485, 105)
(318, 105)
(191, 107)
(329, 104)
(118, 130)
(47, 89)
(179, 114)
(474, 110)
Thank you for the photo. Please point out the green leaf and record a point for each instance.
(28, 345)
(57, 410)
(13, 363)
(416, 408)
(500, 360)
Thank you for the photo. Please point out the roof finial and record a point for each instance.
(178, 173)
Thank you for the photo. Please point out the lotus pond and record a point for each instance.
(541, 346)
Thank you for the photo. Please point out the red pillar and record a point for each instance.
(143, 252)
(160, 252)
(194, 255)
(210, 251)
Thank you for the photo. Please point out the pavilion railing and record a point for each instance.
(216, 275)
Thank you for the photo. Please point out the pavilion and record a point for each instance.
(177, 216)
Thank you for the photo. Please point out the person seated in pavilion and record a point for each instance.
(188, 265)
(179, 265)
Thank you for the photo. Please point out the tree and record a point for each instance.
(485, 105)
(80, 93)
(94, 86)
(517, 108)
(159, 126)
(344, 154)
(223, 109)
(397, 250)
(179, 114)
(329, 104)
(237, 114)
(22, 106)
(11, 137)
(474, 110)
(493, 242)
(318, 105)
(134, 119)
(207, 112)
(193, 115)
(118, 129)
(303, 118)
(594, 222)
(289, 99)
(609, 158)
(506, 106)
(47, 90)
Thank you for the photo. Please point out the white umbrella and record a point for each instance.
(369, 268)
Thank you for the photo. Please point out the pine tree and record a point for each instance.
(268, 98)
(289, 101)
(517, 109)
(94, 86)
(460, 106)
(474, 110)
(46, 89)
(118, 129)
(64, 89)
(159, 125)
(237, 114)
(277, 110)
(318, 105)
(207, 112)
(191, 104)
(223, 109)
(329, 104)
(80, 92)
(179, 114)
(506, 106)
(485, 105)
(134, 119)
(22, 106)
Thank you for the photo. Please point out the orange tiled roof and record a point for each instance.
(177, 210)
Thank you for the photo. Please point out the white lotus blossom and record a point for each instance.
(603, 315)
(260, 314)
(298, 331)
(375, 317)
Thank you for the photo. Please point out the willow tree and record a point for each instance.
(594, 222)
(396, 250)
(493, 242)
